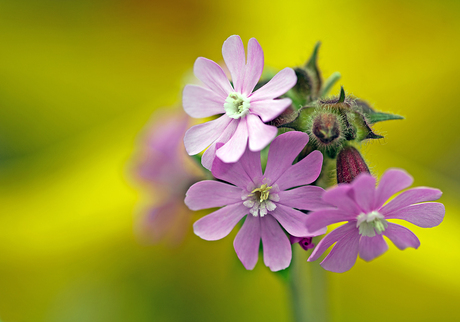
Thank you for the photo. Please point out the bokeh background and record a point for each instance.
(80, 79)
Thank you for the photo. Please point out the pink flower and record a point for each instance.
(363, 206)
(267, 200)
(244, 111)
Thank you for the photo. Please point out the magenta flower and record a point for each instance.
(244, 111)
(363, 206)
(267, 200)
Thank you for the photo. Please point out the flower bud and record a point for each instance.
(304, 242)
(350, 164)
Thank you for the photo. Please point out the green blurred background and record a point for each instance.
(80, 79)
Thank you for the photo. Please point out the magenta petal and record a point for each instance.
(293, 221)
(260, 134)
(425, 215)
(270, 109)
(343, 255)
(339, 196)
(304, 172)
(254, 66)
(325, 217)
(277, 86)
(209, 194)
(409, 197)
(220, 223)
(364, 190)
(200, 136)
(283, 150)
(235, 147)
(401, 236)
(209, 155)
(372, 247)
(247, 242)
(201, 102)
(234, 57)
(276, 245)
(306, 198)
(212, 76)
(392, 181)
(331, 238)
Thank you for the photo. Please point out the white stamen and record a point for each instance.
(236, 105)
(260, 200)
(371, 223)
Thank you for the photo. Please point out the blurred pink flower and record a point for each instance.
(244, 111)
(267, 200)
(362, 205)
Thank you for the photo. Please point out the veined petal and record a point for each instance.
(372, 247)
(254, 66)
(392, 181)
(364, 190)
(401, 236)
(306, 198)
(343, 255)
(325, 217)
(304, 172)
(339, 197)
(201, 102)
(233, 150)
(212, 76)
(234, 57)
(247, 242)
(277, 86)
(293, 221)
(425, 215)
(209, 155)
(409, 197)
(220, 223)
(209, 194)
(276, 245)
(200, 136)
(260, 134)
(270, 109)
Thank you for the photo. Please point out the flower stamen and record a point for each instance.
(371, 223)
(236, 105)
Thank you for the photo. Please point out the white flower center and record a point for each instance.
(236, 105)
(371, 223)
(260, 200)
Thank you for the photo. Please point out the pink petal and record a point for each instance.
(283, 150)
(247, 242)
(254, 66)
(200, 136)
(306, 198)
(304, 172)
(234, 57)
(293, 221)
(401, 236)
(277, 86)
(209, 194)
(392, 181)
(260, 134)
(269, 109)
(331, 238)
(343, 255)
(425, 215)
(339, 196)
(220, 223)
(233, 150)
(276, 245)
(212, 76)
(409, 197)
(325, 217)
(364, 190)
(209, 155)
(372, 247)
(201, 102)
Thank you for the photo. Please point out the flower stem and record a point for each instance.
(308, 289)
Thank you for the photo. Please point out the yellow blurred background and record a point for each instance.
(80, 79)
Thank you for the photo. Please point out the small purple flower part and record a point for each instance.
(305, 242)
(363, 206)
(265, 199)
(244, 111)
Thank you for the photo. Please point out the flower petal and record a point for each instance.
(209, 155)
(276, 245)
(425, 215)
(201, 102)
(209, 194)
(325, 217)
(283, 150)
(247, 242)
(364, 190)
(306, 198)
(372, 247)
(269, 109)
(304, 172)
(277, 86)
(234, 57)
(401, 236)
(343, 255)
(254, 66)
(200, 136)
(339, 196)
(409, 197)
(235, 147)
(212, 76)
(293, 221)
(219, 223)
(260, 134)
(392, 181)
